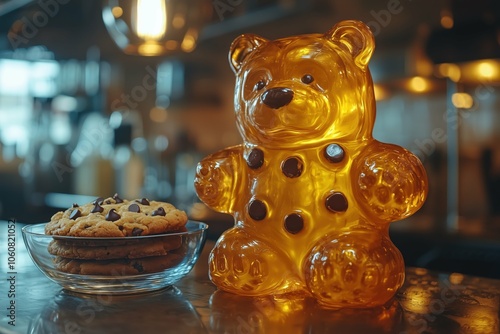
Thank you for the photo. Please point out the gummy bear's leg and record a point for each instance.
(354, 269)
(247, 266)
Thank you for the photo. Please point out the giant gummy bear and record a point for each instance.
(311, 191)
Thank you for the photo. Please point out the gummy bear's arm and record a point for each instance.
(390, 181)
(216, 180)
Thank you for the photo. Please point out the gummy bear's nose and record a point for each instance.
(277, 97)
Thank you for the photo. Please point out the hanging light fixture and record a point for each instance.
(154, 27)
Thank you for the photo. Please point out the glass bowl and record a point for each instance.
(114, 276)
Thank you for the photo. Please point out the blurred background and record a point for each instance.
(98, 97)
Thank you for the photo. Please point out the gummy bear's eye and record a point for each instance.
(259, 85)
(307, 79)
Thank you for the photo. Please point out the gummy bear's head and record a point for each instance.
(304, 89)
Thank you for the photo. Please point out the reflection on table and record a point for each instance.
(162, 311)
(429, 302)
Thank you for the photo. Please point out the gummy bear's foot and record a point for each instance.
(356, 269)
(247, 266)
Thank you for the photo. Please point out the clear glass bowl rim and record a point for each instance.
(193, 227)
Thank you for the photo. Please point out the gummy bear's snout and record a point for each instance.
(277, 97)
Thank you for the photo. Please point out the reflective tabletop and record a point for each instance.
(429, 302)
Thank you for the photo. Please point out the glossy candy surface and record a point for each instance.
(311, 191)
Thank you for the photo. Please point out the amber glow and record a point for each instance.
(478, 71)
(462, 100)
(151, 19)
(486, 69)
(451, 71)
(178, 21)
(418, 84)
(158, 115)
(117, 11)
(381, 93)
(456, 278)
(149, 48)
(189, 42)
(423, 67)
(447, 22)
(311, 191)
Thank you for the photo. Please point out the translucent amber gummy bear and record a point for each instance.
(311, 191)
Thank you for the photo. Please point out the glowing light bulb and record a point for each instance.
(151, 19)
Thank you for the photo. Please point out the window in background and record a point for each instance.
(20, 82)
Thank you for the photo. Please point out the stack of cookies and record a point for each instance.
(117, 237)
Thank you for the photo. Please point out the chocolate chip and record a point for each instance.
(134, 208)
(336, 202)
(98, 200)
(294, 223)
(97, 208)
(112, 215)
(143, 201)
(255, 158)
(75, 214)
(257, 210)
(334, 153)
(75, 205)
(117, 198)
(292, 167)
(159, 212)
(137, 231)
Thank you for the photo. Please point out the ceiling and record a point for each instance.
(74, 26)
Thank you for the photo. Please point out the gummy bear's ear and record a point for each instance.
(241, 47)
(357, 37)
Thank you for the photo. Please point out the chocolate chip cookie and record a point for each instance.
(116, 237)
(101, 250)
(118, 267)
(116, 217)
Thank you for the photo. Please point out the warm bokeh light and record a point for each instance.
(423, 66)
(451, 71)
(189, 42)
(486, 69)
(480, 71)
(178, 21)
(418, 84)
(381, 92)
(149, 48)
(117, 11)
(462, 100)
(151, 19)
(446, 19)
(158, 115)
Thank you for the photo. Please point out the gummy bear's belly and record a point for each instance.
(296, 200)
